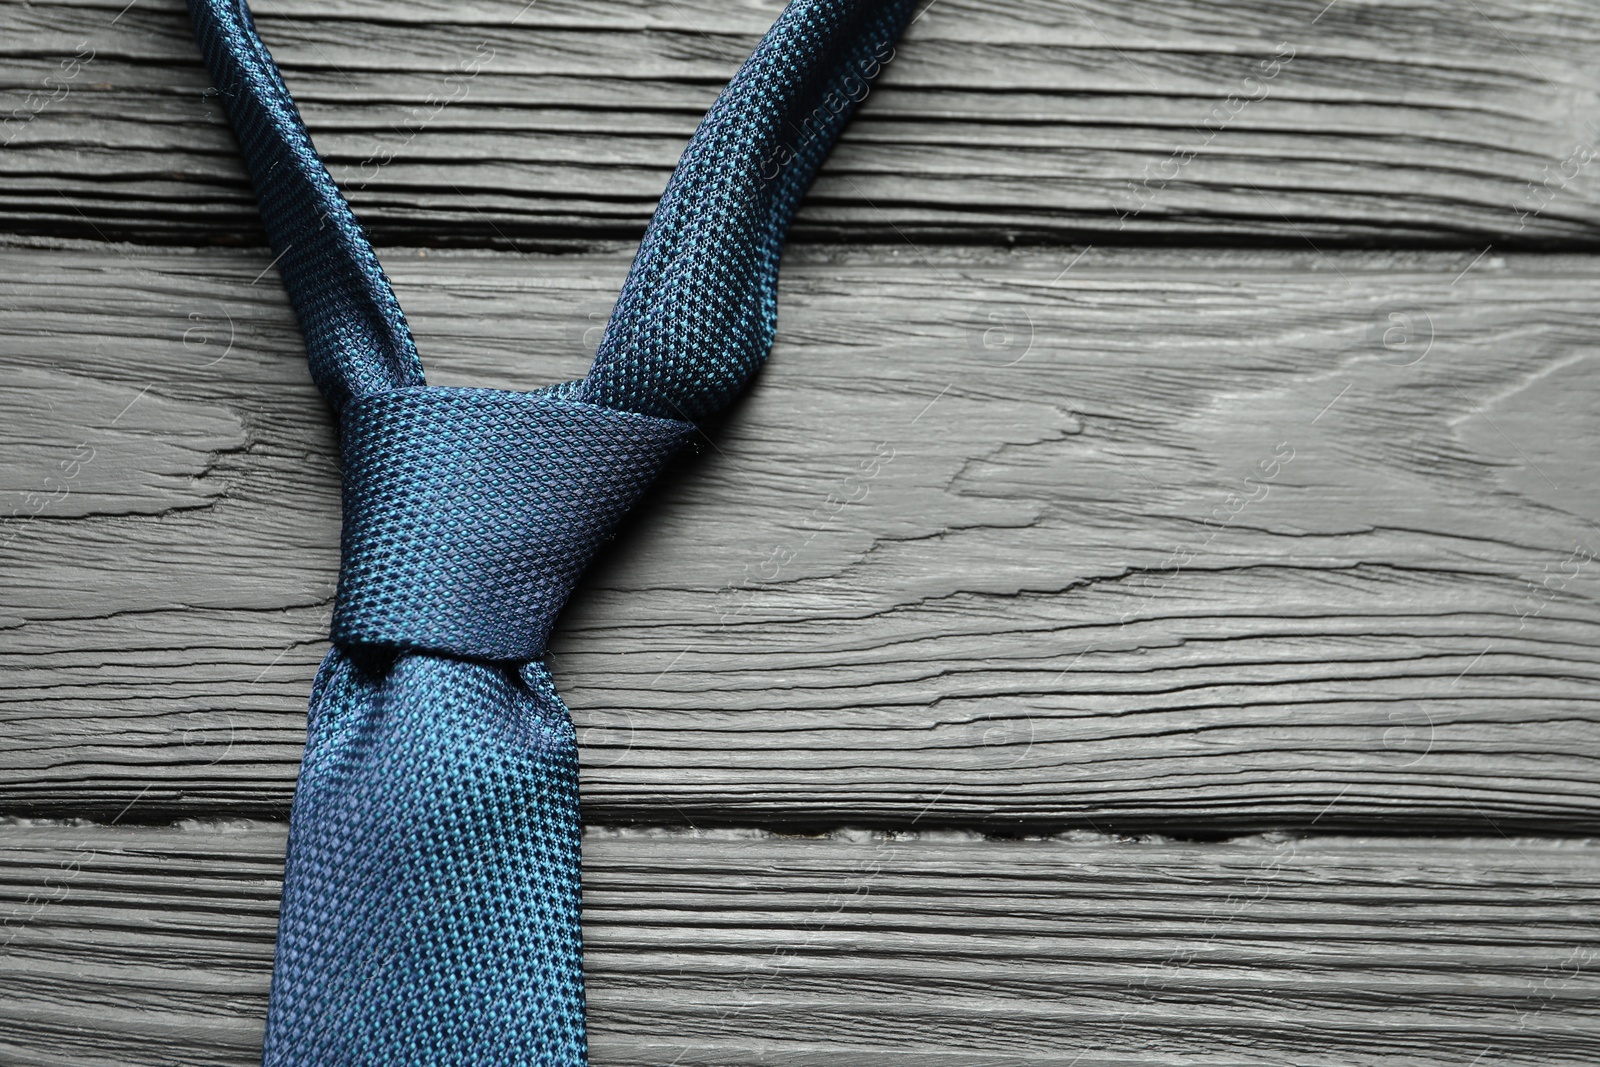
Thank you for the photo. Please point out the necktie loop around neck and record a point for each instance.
(431, 900)
(470, 514)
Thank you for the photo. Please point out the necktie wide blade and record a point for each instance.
(431, 900)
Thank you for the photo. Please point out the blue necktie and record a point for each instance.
(431, 893)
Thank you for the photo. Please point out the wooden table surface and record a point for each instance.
(1144, 613)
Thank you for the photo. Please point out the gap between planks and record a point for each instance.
(514, 125)
(132, 946)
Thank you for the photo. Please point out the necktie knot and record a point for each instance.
(469, 514)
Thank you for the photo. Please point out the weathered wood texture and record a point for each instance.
(1199, 540)
(557, 122)
(1183, 541)
(153, 946)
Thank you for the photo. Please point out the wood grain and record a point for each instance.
(1200, 540)
(1157, 540)
(153, 946)
(1455, 122)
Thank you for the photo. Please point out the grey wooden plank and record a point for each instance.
(498, 123)
(153, 946)
(1196, 550)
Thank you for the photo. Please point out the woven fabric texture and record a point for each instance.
(431, 896)
(356, 337)
(469, 514)
(699, 308)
